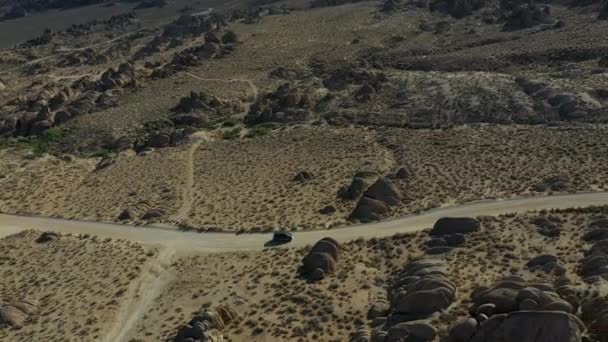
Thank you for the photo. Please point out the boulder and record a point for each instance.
(411, 331)
(160, 139)
(504, 299)
(403, 173)
(47, 237)
(528, 15)
(153, 214)
(303, 176)
(541, 260)
(603, 13)
(321, 260)
(385, 191)
(354, 190)
(127, 215)
(380, 308)
(597, 234)
(462, 331)
(369, 209)
(207, 325)
(455, 240)
(324, 246)
(455, 225)
(423, 302)
(530, 326)
(11, 316)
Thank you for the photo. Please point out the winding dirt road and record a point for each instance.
(191, 242)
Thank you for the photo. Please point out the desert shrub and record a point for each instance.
(232, 134)
(258, 131)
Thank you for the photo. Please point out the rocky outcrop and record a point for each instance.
(603, 11)
(517, 309)
(546, 263)
(47, 237)
(549, 226)
(15, 313)
(193, 25)
(288, 104)
(514, 293)
(594, 312)
(418, 291)
(376, 200)
(594, 266)
(522, 326)
(303, 176)
(369, 209)
(342, 78)
(385, 191)
(207, 325)
(354, 190)
(321, 260)
(457, 8)
(526, 16)
(206, 103)
(125, 76)
(551, 101)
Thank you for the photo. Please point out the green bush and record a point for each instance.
(228, 123)
(235, 133)
(258, 131)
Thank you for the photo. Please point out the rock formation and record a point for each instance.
(321, 260)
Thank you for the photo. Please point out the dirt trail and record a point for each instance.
(150, 286)
(187, 191)
(253, 94)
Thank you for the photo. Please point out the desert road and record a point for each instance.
(192, 242)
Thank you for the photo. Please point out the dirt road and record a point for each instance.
(190, 242)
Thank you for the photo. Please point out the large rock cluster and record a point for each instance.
(203, 102)
(287, 104)
(603, 10)
(321, 260)
(55, 104)
(556, 104)
(521, 326)
(344, 77)
(216, 45)
(15, 313)
(207, 325)
(375, 202)
(526, 16)
(457, 8)
(253, 14)
(124, 76)
(194, 25)
(593, 268)
(514, 293)
(421, 289)
(516, 310)
(594, 312)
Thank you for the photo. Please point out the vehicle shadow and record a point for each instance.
(273, 243)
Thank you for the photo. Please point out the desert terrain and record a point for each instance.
(441, 166)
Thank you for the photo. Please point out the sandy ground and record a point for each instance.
(275, 304)
(81, 284)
